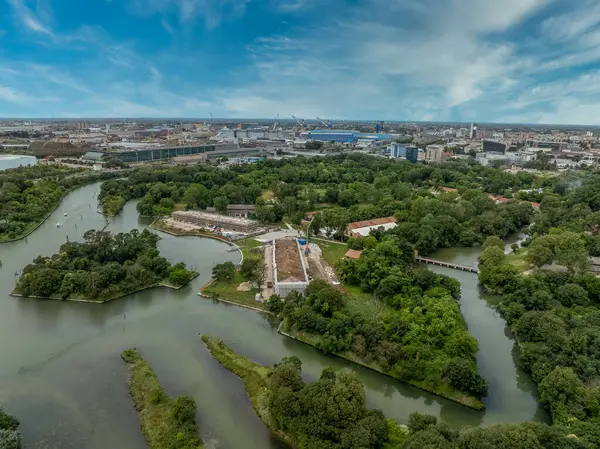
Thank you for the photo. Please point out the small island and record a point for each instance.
(166, 422)
(103, 267)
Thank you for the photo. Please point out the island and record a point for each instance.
(103, 267)
(166, 422)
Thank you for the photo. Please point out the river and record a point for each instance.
(61, 372)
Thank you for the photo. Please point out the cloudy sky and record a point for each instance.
(533, 61)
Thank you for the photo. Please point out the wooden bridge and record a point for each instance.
(441, 263)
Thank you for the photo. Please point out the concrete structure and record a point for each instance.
(236, 210)
(289, 267)
(14, 161)
(434, 153)
(156, 154)
(208, 220)
(363, 228)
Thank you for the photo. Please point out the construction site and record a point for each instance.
(290, 263)
(289, 269)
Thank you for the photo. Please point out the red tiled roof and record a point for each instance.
(375, 222)
(536, 205)
(449, 189)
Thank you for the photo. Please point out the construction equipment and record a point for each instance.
(327, 123)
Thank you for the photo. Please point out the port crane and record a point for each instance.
(327, 123)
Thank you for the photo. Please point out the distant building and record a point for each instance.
(363, 228)
(412, 154)
(397, 150)
(333, 135)
(494, 146)
(434, 153)
(473, 131)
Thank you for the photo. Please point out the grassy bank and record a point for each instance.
(252, 374)
(443, 390)
(166, 422)
(228, 290)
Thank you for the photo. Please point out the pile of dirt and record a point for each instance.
(244, 287)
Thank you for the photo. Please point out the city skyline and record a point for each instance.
(516, 61)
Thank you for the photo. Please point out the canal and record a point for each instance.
(61, 372)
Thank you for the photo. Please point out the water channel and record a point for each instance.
(61, 372)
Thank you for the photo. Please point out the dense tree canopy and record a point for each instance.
(350, 188)
(102, 266)
(29, 194)
(415, 333)
(427, 433)
(556, 317)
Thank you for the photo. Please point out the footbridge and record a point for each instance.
(441, 263)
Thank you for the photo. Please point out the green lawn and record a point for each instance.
(247, 246)
(363, 303)
(229, 292)
(332, 251)
(518, 259)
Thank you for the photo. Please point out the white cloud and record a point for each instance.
(28, 18)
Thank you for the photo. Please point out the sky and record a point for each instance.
(507, 61)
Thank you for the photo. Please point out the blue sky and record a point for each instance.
(534, 61)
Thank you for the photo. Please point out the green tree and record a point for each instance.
(493, 241)
(539, 253)
(223, 271)
(571, 252)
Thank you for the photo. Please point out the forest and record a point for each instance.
(29, 194)
(102, 267)
(346, 188)
(10, 438)
(555, 316)
(326, 414)
(331, 413)
(410, 326)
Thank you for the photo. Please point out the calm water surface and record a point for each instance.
(61, 372)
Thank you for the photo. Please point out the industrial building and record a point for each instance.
(208, 220)
(162, 153)
(347, 136)
(494, 146)
(363, 228)
(289, 268)
(15, 161)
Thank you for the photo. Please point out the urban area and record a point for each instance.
(374, 285)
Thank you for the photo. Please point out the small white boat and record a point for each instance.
(58, 224)
(66, 213)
